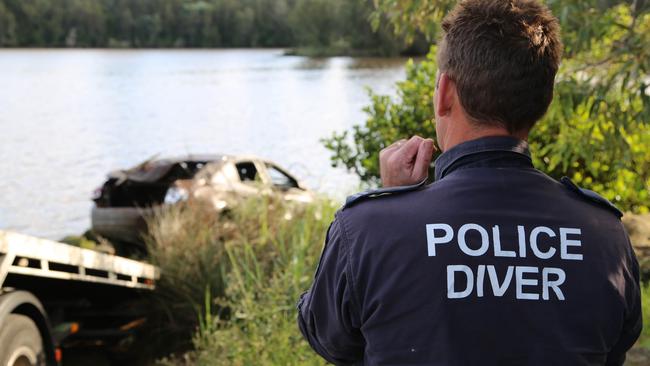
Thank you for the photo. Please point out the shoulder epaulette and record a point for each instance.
(372, 193)
(591, 196)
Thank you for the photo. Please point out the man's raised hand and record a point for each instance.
(406, 162)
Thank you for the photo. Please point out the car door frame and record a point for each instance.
(261, 171)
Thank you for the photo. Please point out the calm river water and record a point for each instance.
(67, 117)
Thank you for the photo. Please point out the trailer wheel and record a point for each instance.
(20, 342)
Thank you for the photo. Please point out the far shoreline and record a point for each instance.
(310, 52)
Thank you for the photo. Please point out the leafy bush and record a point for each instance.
(388, 120)
(597, 129)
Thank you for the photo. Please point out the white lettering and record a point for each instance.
(498, 252)
(497, 289)
(555, 285)
(526, 280)
(480, 279)
(451, 281)
(432, 240)
(566, 242)
(533, 242)
(521, 282)
(531, 283)
(522, 241)
(485, 241)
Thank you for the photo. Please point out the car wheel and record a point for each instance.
(20, 342)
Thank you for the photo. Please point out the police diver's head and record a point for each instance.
(497, 62)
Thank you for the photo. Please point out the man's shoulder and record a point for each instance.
(373, 194)
(392, 208)
(384, 203)
(393, 199)
(591, 197)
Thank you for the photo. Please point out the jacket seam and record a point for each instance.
(348, 268)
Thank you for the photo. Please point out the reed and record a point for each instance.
(644, 340)
(233, 280)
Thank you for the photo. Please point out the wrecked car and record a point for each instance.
(127, 197)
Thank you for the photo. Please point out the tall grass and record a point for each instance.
(187, 242)
(236, 279)
(644, 340)
(270, 264)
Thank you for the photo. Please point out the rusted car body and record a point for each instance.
(129, 196)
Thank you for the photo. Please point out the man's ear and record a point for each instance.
(445, 95)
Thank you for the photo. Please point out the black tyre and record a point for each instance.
(20, 342)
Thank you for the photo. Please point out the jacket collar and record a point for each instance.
(513, 148)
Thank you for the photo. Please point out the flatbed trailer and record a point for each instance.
(55, 296)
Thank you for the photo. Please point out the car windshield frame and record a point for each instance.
(295, 182)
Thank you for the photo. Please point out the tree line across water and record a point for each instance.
(316, 26)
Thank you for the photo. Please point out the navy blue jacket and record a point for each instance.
(494, 263)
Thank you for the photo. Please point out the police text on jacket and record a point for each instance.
(528, 282)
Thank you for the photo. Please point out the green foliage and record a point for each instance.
(644, 340)
(597, 130)
(412, 16)
(186, 242)
(340, 27)
(389, 121)
(321, 26)
(234, 280)
(81, 241)
(7, 27)
(270, 268)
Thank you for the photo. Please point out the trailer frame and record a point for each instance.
(31, 258)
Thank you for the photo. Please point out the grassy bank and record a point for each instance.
(230, 284)
(234, 281)
(644, 340)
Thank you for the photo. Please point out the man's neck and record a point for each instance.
(459, 136)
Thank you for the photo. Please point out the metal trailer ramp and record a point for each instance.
(30, 256)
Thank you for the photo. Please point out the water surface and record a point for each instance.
(67, 117)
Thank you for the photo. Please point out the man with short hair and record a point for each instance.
(494, 263)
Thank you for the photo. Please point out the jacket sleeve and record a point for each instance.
(327, 315)
(633, 322)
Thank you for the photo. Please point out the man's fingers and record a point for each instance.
(423, 159)
(405, 162)
(409, 150)
(395, 144)
(388, 150)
